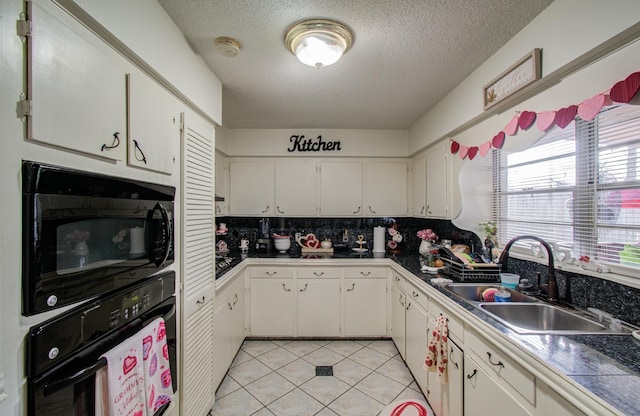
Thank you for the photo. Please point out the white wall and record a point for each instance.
(565, 31)
(353, 143)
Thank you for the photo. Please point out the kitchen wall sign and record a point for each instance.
(518, 76)
(300, 144)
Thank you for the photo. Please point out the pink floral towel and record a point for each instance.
(436, 359)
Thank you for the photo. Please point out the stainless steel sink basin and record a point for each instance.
(541, 318)
(472, 292)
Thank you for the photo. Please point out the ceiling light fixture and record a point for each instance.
(318, 42)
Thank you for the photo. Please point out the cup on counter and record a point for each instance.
(244, 245)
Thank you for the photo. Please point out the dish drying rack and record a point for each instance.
(473, 272)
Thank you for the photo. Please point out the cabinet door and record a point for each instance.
(551, 403)
(398, 308)
(341, 189)
(272, 307)
(222, 345)
(419, 186)
(483, 395)
(295, 188)
(437, 193)
(454, 398)
(251, 187)
(417, 330)
(318, 307)
(221, 183)
(154, 125)
(238, 308)
(75, 86)
(365, 307)
(386, 189)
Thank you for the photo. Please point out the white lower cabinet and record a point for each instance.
(446, 399)
(552, 403)
(483, 395)
(417, 341)
(229, 330)
(398, 309)
(273, 307)
(319, 307)
(365, 307)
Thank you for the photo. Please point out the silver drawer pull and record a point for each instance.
(365, 274)
(499, 363)
(318, 274)
(271, 274)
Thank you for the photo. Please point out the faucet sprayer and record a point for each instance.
(551, 288)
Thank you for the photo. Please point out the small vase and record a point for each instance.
(425, 248)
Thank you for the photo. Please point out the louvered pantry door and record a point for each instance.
(198, 270)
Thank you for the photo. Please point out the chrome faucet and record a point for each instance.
(551, 288)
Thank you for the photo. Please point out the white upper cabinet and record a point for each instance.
(419, 186)
(251, 188)
(154, 125)
(386, 189)
(341, 189)
(66, 106)
(438, 179)
(221, 183)
(295, 188)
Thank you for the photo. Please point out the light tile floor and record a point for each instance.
(278, 378)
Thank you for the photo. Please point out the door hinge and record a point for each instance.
(23, 26)
(23, 108)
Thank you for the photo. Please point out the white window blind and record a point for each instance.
(578, 186)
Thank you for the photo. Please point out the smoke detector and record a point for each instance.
(228, 47)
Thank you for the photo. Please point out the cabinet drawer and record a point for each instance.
(319, 273)
(456, 328)
(275, 272)
(501, 367)
(399, 281)
(362, 272)
(417, 296)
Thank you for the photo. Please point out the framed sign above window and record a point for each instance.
(524, 72)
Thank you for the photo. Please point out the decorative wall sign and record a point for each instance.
(518, 76)
(300, 144)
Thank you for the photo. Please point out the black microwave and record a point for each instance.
(85, 235)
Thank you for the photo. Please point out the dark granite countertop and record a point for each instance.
(608, 366)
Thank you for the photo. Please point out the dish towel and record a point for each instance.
(436, 359)
(157, 371)
(125, 381)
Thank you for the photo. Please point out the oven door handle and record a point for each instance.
(168, 233)
(51, 388)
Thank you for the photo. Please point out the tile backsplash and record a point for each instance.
(621, 301)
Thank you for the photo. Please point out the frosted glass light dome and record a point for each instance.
(318, 42)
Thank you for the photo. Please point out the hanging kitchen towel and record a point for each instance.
(157, 371)
(436, 359)
(102, 393)
(125, 379)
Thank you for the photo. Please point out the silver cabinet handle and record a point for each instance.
(353, 286)
(271, 274)
(357, 210)
(451, 359)
(470, 376)
(266, 209)
(305, 287)
(371, 210)
(285, 288)
(318, 274)
(365, 274)
(415, 294)
(278, 209)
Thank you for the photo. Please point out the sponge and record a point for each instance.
(488, 294)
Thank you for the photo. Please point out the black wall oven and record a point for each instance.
(86, 234)
(64, 354)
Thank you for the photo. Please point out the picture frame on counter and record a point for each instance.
(524, 72)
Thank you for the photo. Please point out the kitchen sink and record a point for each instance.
(541, 317)
(528, 315)
(472, 292)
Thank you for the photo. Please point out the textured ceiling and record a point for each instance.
(407, 55)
